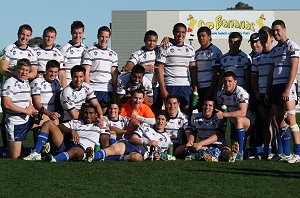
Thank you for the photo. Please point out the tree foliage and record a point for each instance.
(241, 6)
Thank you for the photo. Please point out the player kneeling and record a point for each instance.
(137, 147)
(71, 139)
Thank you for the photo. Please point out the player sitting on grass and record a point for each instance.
(137, 147)
(70, 139)
(212, 144)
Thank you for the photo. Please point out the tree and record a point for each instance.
(241, 6)
(35, 41)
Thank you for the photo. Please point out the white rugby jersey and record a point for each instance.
(89, 134)
(176, 60)
(44, 55)
(72, 56)
(281, 55)
(176, 127)
(124, 85)
(233, 100)
(145, 57)
(71, 98)
(238, 64)
(101, 62)
(147, 132)
(46, 90)
(207, 59)
(261, 64)
(207, 127)
(121, 123)
(19, 92)
(13, 53)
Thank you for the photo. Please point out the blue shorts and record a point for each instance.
(278, 89)
(66, 144)
(183, 92)
(131, 148)
(18, 132)
(103, 97)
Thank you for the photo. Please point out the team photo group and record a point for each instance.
(169, 101)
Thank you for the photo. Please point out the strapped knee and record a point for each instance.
(295, 128)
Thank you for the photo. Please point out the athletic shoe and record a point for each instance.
(89, 154)
(166, 157)
(294, 159)
(196, 156)
(34, 156)
(234, 152)
(45, 150)
(50, 158)
(239, 157)
(209, 158)
(286, 158)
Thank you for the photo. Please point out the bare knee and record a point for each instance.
(136, 157)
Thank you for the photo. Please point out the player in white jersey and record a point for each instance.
(208, 65)
(284, 93)
(101, 64)
(19, 50)
(136, 79)
(236, 99)
(18, 107)
(138, 146)
(176, 72)
(69, 140)
(46, 51)
(74, 49)
(178, 125)
(76, 93)
(236, 61)
(44, 91)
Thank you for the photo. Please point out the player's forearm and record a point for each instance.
(150, 121)
(33, 73)
(62, 78)
(117, 130)
(209, 140)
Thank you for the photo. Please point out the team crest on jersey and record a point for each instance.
(38, 53)
(14, 52)
(187, 50)
(145, 55)
(95, 53)
(258, 59)
(110, 54)
(54, 54)
(239, 60)
(29, 55)
(71, 52)
(179, 122)
(172, 50)
(225, 60)
(45, 86)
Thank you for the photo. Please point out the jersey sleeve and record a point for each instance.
(67, 100)
(87, 59)
(7, 89)
(35, 86)
(134, 58)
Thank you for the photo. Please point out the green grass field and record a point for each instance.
(249, 178)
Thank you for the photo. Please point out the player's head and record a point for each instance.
(204, 36)
(208, 107)
(179, 32)
(137, 74)
(24, 34)
(52, 68)
(279, 29)
(234, 40)
(229, 81)
(78, 76)
(49, 36)
(89, 113)
(77, 31)
(114, 108)
(172, 104)
(150, 40)
(103, 36)
(255, 43)
(23, 68)
(137, 98)
(161, 119)
(266, 35)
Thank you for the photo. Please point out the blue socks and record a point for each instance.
(240, 135)
(41, 140)
(285, 139)
(64, 156)
(99, 155)
(115, 158)
(297, 149)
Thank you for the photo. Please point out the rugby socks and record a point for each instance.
(285, 138)
(240, 134)
(41, 140)
(64, 156)
(99, 155)
(115, 158)
(112, 141)
(297, 149)
(279, 142)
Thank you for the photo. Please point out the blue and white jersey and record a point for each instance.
(19, 92)
(46, 90)
(72, 56)
(207, 60)
(73, 99)
(176, 59)
(176, 127)
(101, 62)
(261, 64)
(13, 53)
(124, 85)
(238, 64)
(44, 55)
(121, 123)
(207, 127)
(145, 57)
(281, 55)
(147, 133)
(89, 134)
(233, 100)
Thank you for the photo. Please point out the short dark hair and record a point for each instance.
(138, 69)
(178, 25)
(77, 25)
(150, 33)
(23, 62)
(84, 106)
(116, 101)
(25, 27)
(77, 68)
(138, 90)
(104, 29)
(49, 29)
(173, 96)
(52, 64)
(266, 29)
(204, 29)
(278, 22)
(164, 113)
(235, 35)
(230, 74)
